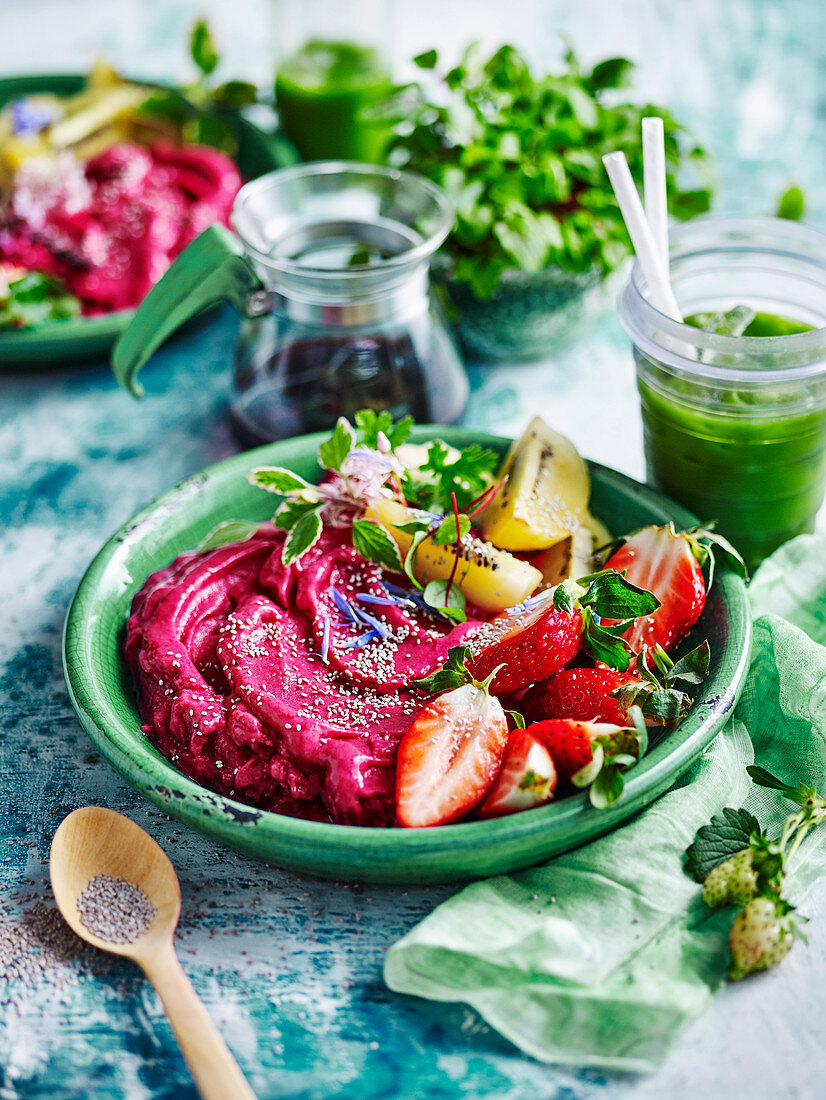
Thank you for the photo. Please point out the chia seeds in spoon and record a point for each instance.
(115, 910)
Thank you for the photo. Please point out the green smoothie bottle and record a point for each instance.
(321, 93)
(734, 400)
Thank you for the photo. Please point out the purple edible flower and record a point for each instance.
(344, 605)
(527, 605)
(384, 601)
(378, 626)
(363, 640)
(325, 639)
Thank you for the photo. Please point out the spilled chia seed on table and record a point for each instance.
(115, 910)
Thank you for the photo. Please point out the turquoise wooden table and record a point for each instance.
(290, 967)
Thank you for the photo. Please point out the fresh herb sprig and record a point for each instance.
(34, 299)
(738, 865)
(445, 472)
(520, 156)
(199, 109)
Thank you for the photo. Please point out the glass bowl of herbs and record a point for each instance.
(539, 243)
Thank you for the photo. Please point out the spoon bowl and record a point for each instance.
(95, 841)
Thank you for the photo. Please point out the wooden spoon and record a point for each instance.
(93, 841)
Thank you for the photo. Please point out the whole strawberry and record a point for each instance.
(581, 693)
(733, 882)
(760, 937)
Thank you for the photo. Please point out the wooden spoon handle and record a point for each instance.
(215, 1070)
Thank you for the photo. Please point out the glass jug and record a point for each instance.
(330, 271)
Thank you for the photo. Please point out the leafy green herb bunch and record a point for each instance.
(521, 157)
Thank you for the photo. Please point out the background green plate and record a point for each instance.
(101, 692)
(61, 342)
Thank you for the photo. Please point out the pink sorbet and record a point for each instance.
(255, 680)
(111, 227)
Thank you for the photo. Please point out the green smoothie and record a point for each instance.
(321, 92)
(752, 458)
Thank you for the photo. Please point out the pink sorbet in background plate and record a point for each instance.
(110, 227)
(255, 681)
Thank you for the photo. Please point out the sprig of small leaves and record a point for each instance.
(520, 156)
(200, 109)
(444, 472)
(35, 299)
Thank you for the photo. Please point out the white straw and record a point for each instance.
(660, 292)
(656, 202)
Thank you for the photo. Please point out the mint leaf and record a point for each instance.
(375, 543)
(202, 47)
(275, 479)
(611, 596)
(450, 603)
(301, 537)
(333, 451)
(291, 511)
(233, 530)
(727, 833)
(36, 299)
(446, 532)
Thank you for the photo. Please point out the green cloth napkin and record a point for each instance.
(599, 957)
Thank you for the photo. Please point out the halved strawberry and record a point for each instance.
(669, 565)
(531, 645)
(583, 693)
(526, 779)
(449, 757)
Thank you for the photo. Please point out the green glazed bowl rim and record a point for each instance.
(115, 727)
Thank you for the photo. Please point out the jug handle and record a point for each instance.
(212, 269)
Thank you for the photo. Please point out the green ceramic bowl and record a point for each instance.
(59, 342)
(101, 692)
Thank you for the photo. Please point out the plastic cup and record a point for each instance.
(735, 427)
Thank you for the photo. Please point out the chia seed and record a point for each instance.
(115, 910)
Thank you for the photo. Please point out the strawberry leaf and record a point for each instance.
(603, 645)
(375, 543)
(693, 668)
(517, 719)
(452, 674)
(611, 596)
(666, 703)
(607, 787)
(234, 530)
(726, 834)
(587, 774)
(275, 479)
(301, 537)
(800, 794)
(333, 451)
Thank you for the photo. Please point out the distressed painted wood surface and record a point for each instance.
(289, 967)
